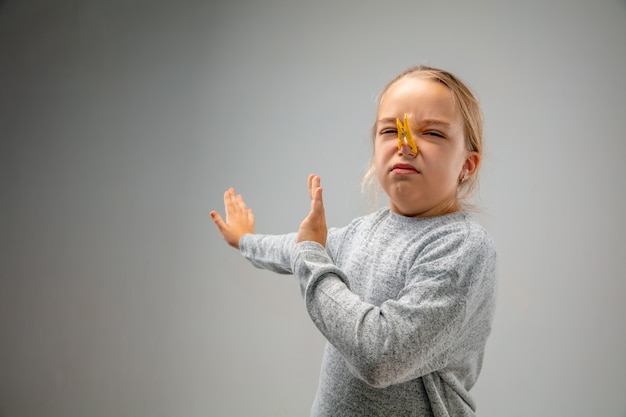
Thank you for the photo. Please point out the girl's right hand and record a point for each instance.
(313, 227)
(239, 219)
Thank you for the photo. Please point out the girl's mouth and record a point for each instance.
(404, 169)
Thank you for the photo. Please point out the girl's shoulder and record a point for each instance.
(457, 235)
(456, 232)
(458, 222)
(449, 230)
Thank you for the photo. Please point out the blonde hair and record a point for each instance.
(472, 124)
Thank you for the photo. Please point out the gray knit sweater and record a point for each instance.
(406, 306)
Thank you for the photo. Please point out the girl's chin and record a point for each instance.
(405, 208)
(417, 208)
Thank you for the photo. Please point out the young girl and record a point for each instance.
(404, 296)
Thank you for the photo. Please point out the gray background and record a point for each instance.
(122, 122)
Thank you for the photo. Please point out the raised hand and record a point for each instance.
(239, 219)
(313, 227)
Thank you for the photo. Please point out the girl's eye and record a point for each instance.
(434, 133)
(389, 131)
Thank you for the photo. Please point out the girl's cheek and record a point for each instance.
(386, 144)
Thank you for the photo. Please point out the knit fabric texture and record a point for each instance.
(406, 305)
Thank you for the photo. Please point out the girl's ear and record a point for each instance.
(470, 166)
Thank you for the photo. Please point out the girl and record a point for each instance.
(404, 296)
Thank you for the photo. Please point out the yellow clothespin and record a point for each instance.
(404, 133)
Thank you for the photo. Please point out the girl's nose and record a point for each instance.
(408, 148)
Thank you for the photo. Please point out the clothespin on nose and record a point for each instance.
(404, 135)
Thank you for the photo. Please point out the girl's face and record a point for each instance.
(424, 184)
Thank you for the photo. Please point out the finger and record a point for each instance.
(317, 186)
(240, 203)
(232, 203)
(217, 219)
(317, 204)
(319, 201)
(251, 217)
(310, 185)
(317, 181)
(228, 204)
(228, 198)
(314, 183)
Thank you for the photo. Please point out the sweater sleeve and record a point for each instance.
(443, 309)
(275, 252)
(271, 252)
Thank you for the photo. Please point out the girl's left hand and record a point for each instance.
(239, 218)
(313, 227)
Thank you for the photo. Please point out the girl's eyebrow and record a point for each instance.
(420, 122)
(386, 120)
(434, 122)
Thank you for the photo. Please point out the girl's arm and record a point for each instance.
(271, 252)
(264, 251)
(240, 218)
(441, 319)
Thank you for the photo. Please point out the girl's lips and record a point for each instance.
(404, 169)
